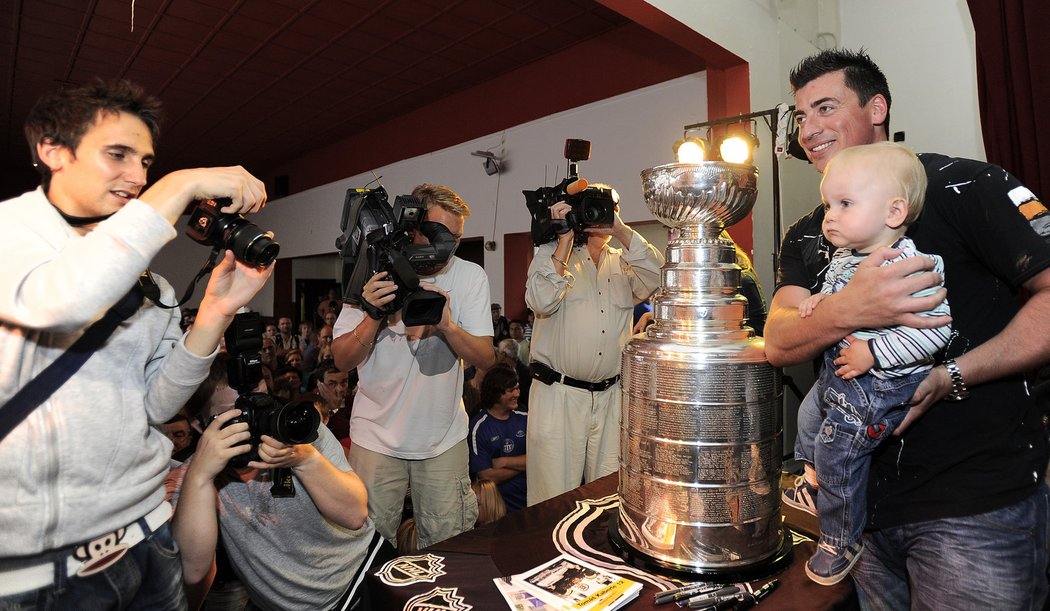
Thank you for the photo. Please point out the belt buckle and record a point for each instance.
(100, 553)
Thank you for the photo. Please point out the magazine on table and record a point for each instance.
(519, 598)
(569, 583)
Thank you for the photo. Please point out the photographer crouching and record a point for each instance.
(583, 293)
(293, 516)
(89, 370)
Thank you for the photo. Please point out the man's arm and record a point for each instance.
(196, 522)
(474, 349)
(504, 468)
(231, 286)
(1019, 347)
(876, 296)
(351, 349)
(339, 495)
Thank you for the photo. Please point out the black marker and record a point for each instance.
(758, 595)
(733, 592)
(684, 592)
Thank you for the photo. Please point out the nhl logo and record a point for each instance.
(438, 599)
(407, 570)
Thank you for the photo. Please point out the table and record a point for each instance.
(458, 573)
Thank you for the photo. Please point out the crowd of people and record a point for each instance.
(924, 452)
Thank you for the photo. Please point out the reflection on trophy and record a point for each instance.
(701, 433)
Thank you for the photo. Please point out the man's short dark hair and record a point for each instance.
(862, 75)
(64, 116)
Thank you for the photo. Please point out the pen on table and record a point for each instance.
(733, 592)
(723, 604)
(684, 592)
(759, 594)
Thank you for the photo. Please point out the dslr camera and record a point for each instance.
(377, 237)
(211, 227)
(293, 423)
(592, 207)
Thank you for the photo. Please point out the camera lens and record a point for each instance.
(251, 244)
(592, 213)
(296, 423)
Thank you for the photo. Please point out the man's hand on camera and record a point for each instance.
(445, 323)
(378, 292)
(232, 285)
(173, 192)
(276, 455)
(218, 445)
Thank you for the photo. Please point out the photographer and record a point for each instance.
(408, 423)
(78, 514)
(583, 293)
(308, 551)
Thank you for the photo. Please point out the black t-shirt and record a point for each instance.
(990, 450)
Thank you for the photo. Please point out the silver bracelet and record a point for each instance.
(959, 390)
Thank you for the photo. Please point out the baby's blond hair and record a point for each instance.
(891, 161)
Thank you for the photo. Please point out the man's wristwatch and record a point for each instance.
(959, 390)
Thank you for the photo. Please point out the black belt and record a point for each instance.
(548, 376)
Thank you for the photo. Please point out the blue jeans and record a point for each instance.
(995, 560)
(858, 415)
(809, 419)
(148, 577)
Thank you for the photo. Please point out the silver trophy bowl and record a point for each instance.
(701, 430)
(710, 193)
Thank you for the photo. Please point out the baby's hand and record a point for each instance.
(809, 304)
(854, 360)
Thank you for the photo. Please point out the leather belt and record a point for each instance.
(86, 559)
(545, 374)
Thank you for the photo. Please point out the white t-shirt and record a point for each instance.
(409, 401)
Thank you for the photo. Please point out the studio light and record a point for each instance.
(737, 147)
(782, 131)
(690, 149)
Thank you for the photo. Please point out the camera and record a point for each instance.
(209, 226)
(592, 207)
(377, 237)
(293, 423)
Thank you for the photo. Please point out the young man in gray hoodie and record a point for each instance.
(81, 496)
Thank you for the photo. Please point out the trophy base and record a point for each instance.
(767, 567)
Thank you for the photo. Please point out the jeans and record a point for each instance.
(148, 577)
(858, 415)
(809, 418)
(994, 560)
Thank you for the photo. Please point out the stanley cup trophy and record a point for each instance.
(701, 431)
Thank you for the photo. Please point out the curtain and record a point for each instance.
(1013, 86)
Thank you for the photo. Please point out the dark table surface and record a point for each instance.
(458, 573)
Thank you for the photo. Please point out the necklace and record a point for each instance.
(81, 221)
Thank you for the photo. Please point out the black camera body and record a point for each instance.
(592, 207)
(378, 238)
(293, 423)
(209, 226)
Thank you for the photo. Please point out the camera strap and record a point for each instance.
(30, 396)
(152, 291)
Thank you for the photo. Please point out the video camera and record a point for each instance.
(293, 423)
(209, 226)
(377, 237)
(592, 207)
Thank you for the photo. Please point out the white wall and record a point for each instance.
(629, 133)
